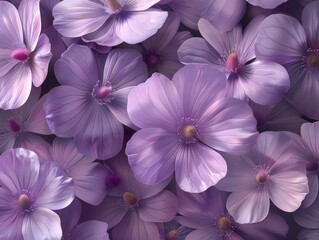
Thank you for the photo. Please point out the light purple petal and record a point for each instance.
(313, 182)
(133, 227)
(310, 135)
(70, 216)
(281, 39)
(29, 11)
(308, 217)
(85, 17)
(249, 206)
(205, 233)
(7, 141)
(139, 5)
(198, 167)
(155, 103)
(138, 26)
(310, 21)
(20, 169)
(159, 208)
(151, 153)
(264, 82)
(67, 110)
(228, 125)
(15, 87)
(269, 4)
(90, 230)
(54, 190)
(77, 67)
(41, 224)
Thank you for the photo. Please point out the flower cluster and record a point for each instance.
(159, 119)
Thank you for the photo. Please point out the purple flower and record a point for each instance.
(24, 53)
(271, 171)
(28, 194)
(90, 105)
(72, 230)
(284, 40)
(173, 231)
(269, 4)
(233, 53)
(183, 122)
(224, 14)
(109, 22)
(131, 208)
(206, 213)
(20, 126)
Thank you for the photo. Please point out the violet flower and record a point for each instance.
(24, 53)
(110, 22)
(271, 171)
(29, 193)
(233, 53)
(133, 209)
(173, 231)
(269, 4)
(90, 105)
(284, 40)
(206, 213)
(183, 122)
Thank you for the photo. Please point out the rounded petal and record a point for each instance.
(70, 215)
(310, 134)
(198, 167)
(313, 182)
(19, 169)
(281, 39)
(228, 125)
(85, 17)
(310, 21)
(151, 153)
(54, 190)
(41, 224)
(264, 82)
(139, 5)
(90, 230)
(158, 97)
(206, 233)
(159, 208)
(270, 4)
(249, 206)
(7, 141)
(77, 67)
(308, 217)
(67, 110)
(138, 26)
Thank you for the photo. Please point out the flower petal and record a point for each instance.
(139, 5)
(90, 230)
(70, 215)
(310, 21)
(307, 217)
(270, 4)
(205, 233)
(310, 134)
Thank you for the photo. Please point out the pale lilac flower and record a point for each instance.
(88, 176)
(20, 126)
(206, 213)
(133, 209)
(271, 171)
(160, 50)
(24, 53)
(91, 105)
(73, 230)
(284, 40)
(109, 22)
(183, 122)
(224, 14)
(233, 53)
(28, 194)
(269, 4)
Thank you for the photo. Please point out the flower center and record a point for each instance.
(152, 60)
(114, 5)
(311, 166)
(113, 180)
(103, 91)
(313, 60)
(172, 235)
(189, 131)
(20, 54)
(224, 223)
(13, 125)
(130, 199)
(24, 202)
(261, 176)
(232, 62)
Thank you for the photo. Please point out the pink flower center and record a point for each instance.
(130, 199)
(189, 131)
(152, 60)
(311, 166)
(20, 54)
(114, 5)
(261, 176)
(313, 60)
(24, 201)
(232, 62)
(103, 91)
(224, 223)
(13, 125)
(172, 235)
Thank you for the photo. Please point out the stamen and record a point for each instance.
(261, 176)
(102, 92)
(189, 131)
(20, 54)
(24, 201)
(224, 223)
(130, 199)
(13, 125)
(114, 5)
(232, 62)
(313, 60)
(172, 235)
(152, 60)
